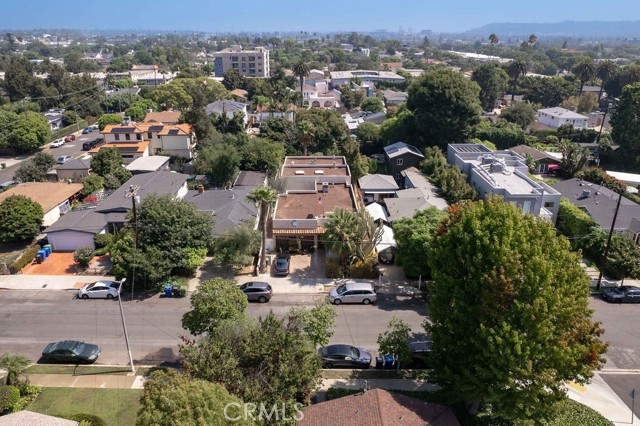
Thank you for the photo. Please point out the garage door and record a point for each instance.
(69, 240)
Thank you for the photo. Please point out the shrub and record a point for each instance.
(9, 397)
(102, 240)
(333, 269)
(83, 256)
(360, 269)
(88, 419)
(26, 258)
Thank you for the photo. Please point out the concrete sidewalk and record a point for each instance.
(47, 282)
(104, 381)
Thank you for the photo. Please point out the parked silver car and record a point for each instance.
(353, 293)
(99, 290)
(257, 291)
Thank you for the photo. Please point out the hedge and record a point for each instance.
(26, 258)
(90, 419)
(573, 222)
(69, 129)
(9, 397)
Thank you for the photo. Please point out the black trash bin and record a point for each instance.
(388, 361)
(379, 362)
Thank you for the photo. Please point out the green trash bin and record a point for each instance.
(50, 247)
(182, 291)
(268, 259)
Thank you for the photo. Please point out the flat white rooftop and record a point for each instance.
(508, 180)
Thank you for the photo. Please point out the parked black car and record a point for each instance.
(622, 294)
(345, 356)
(71, 352)
(86, 146)
(257, 291)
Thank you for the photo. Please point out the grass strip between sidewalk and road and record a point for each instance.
(115, 406)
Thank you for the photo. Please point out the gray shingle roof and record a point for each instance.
(379, 182)
(75, 164)
(400, 208)
(218, 107)
(229, 207)
(601, 207)
(164, 183)
(400, 148)
(88, 221)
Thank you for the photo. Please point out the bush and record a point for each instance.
(26, 258)
(9, 397)
(333, 269)
(88, 419)
(83, 256)
(360, 269)
(102, 240)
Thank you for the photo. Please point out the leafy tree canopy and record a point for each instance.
(20, 219)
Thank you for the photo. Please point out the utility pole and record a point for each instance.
(124, 326)
(132, 193)
(604, 117)
(606, 250)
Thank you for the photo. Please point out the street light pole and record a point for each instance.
(124, 326)
(606, 250)
(132, 193)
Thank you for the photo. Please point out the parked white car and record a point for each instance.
(99, 290)
(57, 143)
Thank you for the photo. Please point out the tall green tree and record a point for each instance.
(445, 106)
(301, 70)
(574, 157)
(493, 81)
(625, 121)
(493, 39)
(306, 132)
(237, 246)
(107, 119)
(395, 340)
(215, 300)
(29, 132)
(174, 399)
(108, 163)
(373, 104)
(509, 313)
(35, 169)
(413, 239)
(219, 163)
(516, 69)
(605, 71)
(584, 70)
(20, 219)
(522, 114)
(264, 196)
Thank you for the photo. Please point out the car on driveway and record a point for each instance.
(71, 352)
(257, 291)
(281, 267)
(353, 293)
(87, 130)
(63, 159)
(622, 294)
(99, 290)
(57, 143)
(70, 138)
(345, 356)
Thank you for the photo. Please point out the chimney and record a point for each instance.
(200, 189)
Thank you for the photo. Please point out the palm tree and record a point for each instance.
(493, 39)
(341, 233)
(584, 70)
(606, 71)
(532, 39)
(301, 70)
(307, 131)
(515, 69)
(264, 196)
(15, 365)
(630, 74)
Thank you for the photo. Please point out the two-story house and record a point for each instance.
(556, 117)
(504, 173)
(400, 156)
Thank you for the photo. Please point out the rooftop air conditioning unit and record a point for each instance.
(319, 172)
(586, 193)
(325, 187)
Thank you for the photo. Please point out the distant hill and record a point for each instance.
(599, 29)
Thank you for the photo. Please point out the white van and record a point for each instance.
(353, 293)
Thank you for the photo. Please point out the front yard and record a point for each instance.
(115, 406)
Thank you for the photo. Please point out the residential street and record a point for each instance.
(622, 330)
(31, 319)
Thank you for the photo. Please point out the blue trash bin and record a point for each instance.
(43, 254)
(388, 361)
(47, 249)
(168, 289)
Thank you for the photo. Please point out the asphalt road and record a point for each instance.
(623, 385)
(73, 149)
(31, 319)
(622, 331)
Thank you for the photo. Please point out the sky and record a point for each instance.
(300, 15)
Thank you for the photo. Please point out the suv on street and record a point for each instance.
(87, 130)
(622, 294)
(257, 291)
(63, 159)
(353, 293)
(86, 146)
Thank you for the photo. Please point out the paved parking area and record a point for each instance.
(311, 265)
(58, 263)
(622, 331)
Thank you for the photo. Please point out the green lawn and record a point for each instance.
(115, 406)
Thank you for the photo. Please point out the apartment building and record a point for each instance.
(249, 63)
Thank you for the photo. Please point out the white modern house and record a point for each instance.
(556, 117)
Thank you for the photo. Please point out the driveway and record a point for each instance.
(311, 265)
(58, 263)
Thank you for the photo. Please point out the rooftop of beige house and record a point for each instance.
(48, 194)
(315, 204)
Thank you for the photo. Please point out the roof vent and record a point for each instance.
(319, 172)
(299, 172)
(586, 193)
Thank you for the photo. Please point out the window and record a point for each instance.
(548, 204)
(399, 162)
(117, 137)
(398, 176)
(158, 151)
(127, 136)
(149, 135)
(235, 65)
(526, 207)
(252, 65)
(127, 155)
(252, 58)
(234, 59)
(259, 70)
(244, 59)
(138, 136)
(252, 71)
